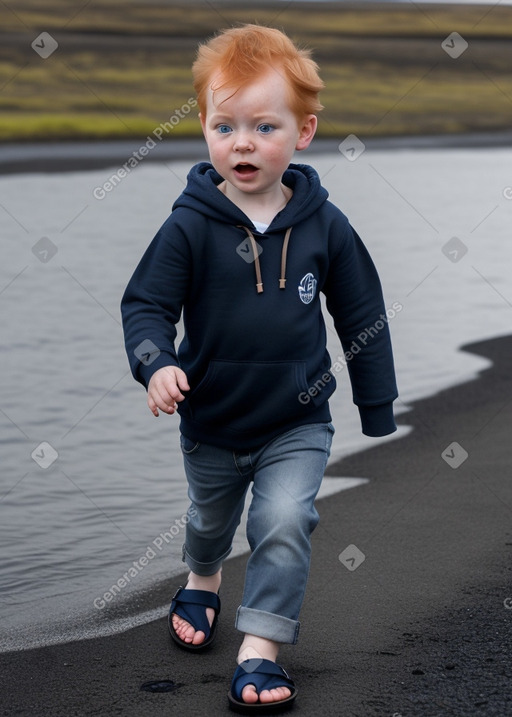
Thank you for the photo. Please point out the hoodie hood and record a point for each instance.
(202, 195)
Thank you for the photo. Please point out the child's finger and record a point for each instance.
(175, 395)
(172, 390)
(152, 406)
(182, 380)
(164, 401)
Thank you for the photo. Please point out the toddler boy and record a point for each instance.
(251, 243)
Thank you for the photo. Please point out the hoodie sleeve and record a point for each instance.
(355, 301)
(152, 303)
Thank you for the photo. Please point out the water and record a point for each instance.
(116, 491)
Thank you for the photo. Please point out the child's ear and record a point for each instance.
(307, 132)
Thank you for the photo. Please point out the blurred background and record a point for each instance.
(115, 68)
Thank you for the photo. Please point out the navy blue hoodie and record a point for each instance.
(254, 349)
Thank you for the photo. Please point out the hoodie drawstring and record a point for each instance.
(282, 280)
(257, 267)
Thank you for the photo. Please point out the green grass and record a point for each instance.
(54, 126)
(122, 68)
(193, 19)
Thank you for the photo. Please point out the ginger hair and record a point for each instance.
(240, 55)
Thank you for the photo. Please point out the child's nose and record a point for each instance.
(243, 142)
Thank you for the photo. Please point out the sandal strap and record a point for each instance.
(191, 606)
(263, 674)
(197, 597)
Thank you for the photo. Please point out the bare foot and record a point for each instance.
(184, 630)
(261, 648)
(250, 695)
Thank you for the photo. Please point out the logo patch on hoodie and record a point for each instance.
(307, 288)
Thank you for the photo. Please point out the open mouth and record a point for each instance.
(245, 168)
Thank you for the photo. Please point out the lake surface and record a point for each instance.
(90, 480)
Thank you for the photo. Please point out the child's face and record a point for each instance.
(252, 135)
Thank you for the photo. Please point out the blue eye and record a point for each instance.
(265, 128)
(224, 129)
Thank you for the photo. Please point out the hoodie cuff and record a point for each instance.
(377, 420)
(145, 371)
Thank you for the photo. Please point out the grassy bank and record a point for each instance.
(122, 68)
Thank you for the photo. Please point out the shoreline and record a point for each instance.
(419, 628)
(34, 157)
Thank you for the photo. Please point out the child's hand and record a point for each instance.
(164, 389)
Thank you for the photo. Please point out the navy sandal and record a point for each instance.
(264, 675)
(191, 606)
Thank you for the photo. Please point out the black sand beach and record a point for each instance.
(422, 627)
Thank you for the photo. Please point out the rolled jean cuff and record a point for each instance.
(266, 624)
(203, 569)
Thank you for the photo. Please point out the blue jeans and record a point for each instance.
(286, 474)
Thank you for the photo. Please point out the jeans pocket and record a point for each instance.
(187, 445)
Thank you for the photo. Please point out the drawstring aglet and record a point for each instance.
(259, 288)
(282, 283)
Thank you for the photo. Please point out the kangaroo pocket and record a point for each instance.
(242, 396)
